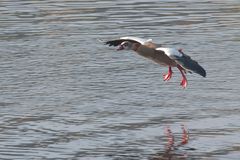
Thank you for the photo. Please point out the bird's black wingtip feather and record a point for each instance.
(205, 74)
(202, 71)
(113, 43)
(192, 65)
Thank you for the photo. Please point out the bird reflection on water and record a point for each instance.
(173, 150)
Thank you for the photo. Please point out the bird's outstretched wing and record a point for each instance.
(183, 60)
(117, 42)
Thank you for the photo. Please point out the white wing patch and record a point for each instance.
(140, 40)
(149, 40)
(171, 52)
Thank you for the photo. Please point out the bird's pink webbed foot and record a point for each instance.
(184, 81)
(168, 76)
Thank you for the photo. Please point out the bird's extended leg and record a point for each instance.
(168, 76)
(184, 79)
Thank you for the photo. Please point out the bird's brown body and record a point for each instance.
(157, 56)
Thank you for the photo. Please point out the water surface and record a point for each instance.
(64, 95)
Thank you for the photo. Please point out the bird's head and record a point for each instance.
(127, 45)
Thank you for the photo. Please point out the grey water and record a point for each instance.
(66, 95)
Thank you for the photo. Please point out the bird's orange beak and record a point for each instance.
(120, 47)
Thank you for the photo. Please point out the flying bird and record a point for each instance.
(169, 57)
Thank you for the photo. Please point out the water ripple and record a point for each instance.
(64, 95)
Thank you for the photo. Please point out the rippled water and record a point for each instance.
(64, 95)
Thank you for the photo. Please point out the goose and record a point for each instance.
(169, 57)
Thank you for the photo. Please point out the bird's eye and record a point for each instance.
(125, 44)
